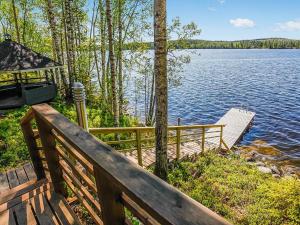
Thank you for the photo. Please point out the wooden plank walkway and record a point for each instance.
(26, 201)
(237, 122)
(148, 155)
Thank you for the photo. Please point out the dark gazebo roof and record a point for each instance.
(15, 57)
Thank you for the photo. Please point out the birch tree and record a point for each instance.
(114, 90)
(161, 89)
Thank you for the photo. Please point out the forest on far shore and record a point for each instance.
(267, 43)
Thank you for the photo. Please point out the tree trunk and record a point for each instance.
(69, 37)
(161, 89)
(16, 21)
(56, 46)
(112, 64)
(103, 49)
(120, 56)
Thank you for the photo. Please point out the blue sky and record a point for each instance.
(239, 19)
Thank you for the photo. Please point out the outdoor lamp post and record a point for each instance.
(79, 99)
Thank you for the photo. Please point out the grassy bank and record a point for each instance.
(238, 191)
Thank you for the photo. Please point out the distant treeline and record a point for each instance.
(270, 43)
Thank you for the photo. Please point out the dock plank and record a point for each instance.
(236, 121)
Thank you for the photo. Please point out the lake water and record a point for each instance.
(264, 81)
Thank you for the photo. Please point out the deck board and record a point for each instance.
(29, 171)
(3, 182)
(22, 177)
(12, 178)
(7, 218)
(42, 210)
(24, 214)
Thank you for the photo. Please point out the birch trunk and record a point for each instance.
(161, 88)
(56, 43)
(112, 65)
(16, 21)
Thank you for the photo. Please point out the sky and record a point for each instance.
(239, 19)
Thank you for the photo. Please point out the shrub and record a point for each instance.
(238, 191)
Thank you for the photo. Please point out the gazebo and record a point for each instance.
(26, 77)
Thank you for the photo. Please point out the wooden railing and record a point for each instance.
(112, 189)
(138, 139)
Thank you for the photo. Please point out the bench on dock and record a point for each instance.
(102, 180)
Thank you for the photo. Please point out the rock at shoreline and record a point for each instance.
(275, 170)
(264, 169)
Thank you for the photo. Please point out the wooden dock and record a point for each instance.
(236, 121)
(190, 139)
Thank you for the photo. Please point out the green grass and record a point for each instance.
(238, 191)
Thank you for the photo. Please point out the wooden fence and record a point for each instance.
(111, 188)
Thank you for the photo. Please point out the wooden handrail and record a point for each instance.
(116, 177)
(133, 129)
(138, 142)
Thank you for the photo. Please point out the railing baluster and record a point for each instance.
(221, 137)
(33, 149)
(52, 157)
(178, 143)
(110, 198)
(139, 147)
(203, 139)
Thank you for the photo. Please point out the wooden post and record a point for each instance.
(139, 147)
(203, 139)
(221, 137)
(33, 150)
(46, 75)
(52, 157)
(178, 143)
(109, 197)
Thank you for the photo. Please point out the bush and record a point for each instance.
(13, 150)
(238, 191)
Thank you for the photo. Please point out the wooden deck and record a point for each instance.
(26, 201)
(236, 121)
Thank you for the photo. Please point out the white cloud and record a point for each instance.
(212, 9)
(221, 1)
(292, 25)
(239, 22)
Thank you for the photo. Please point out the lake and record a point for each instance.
(264, 81)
